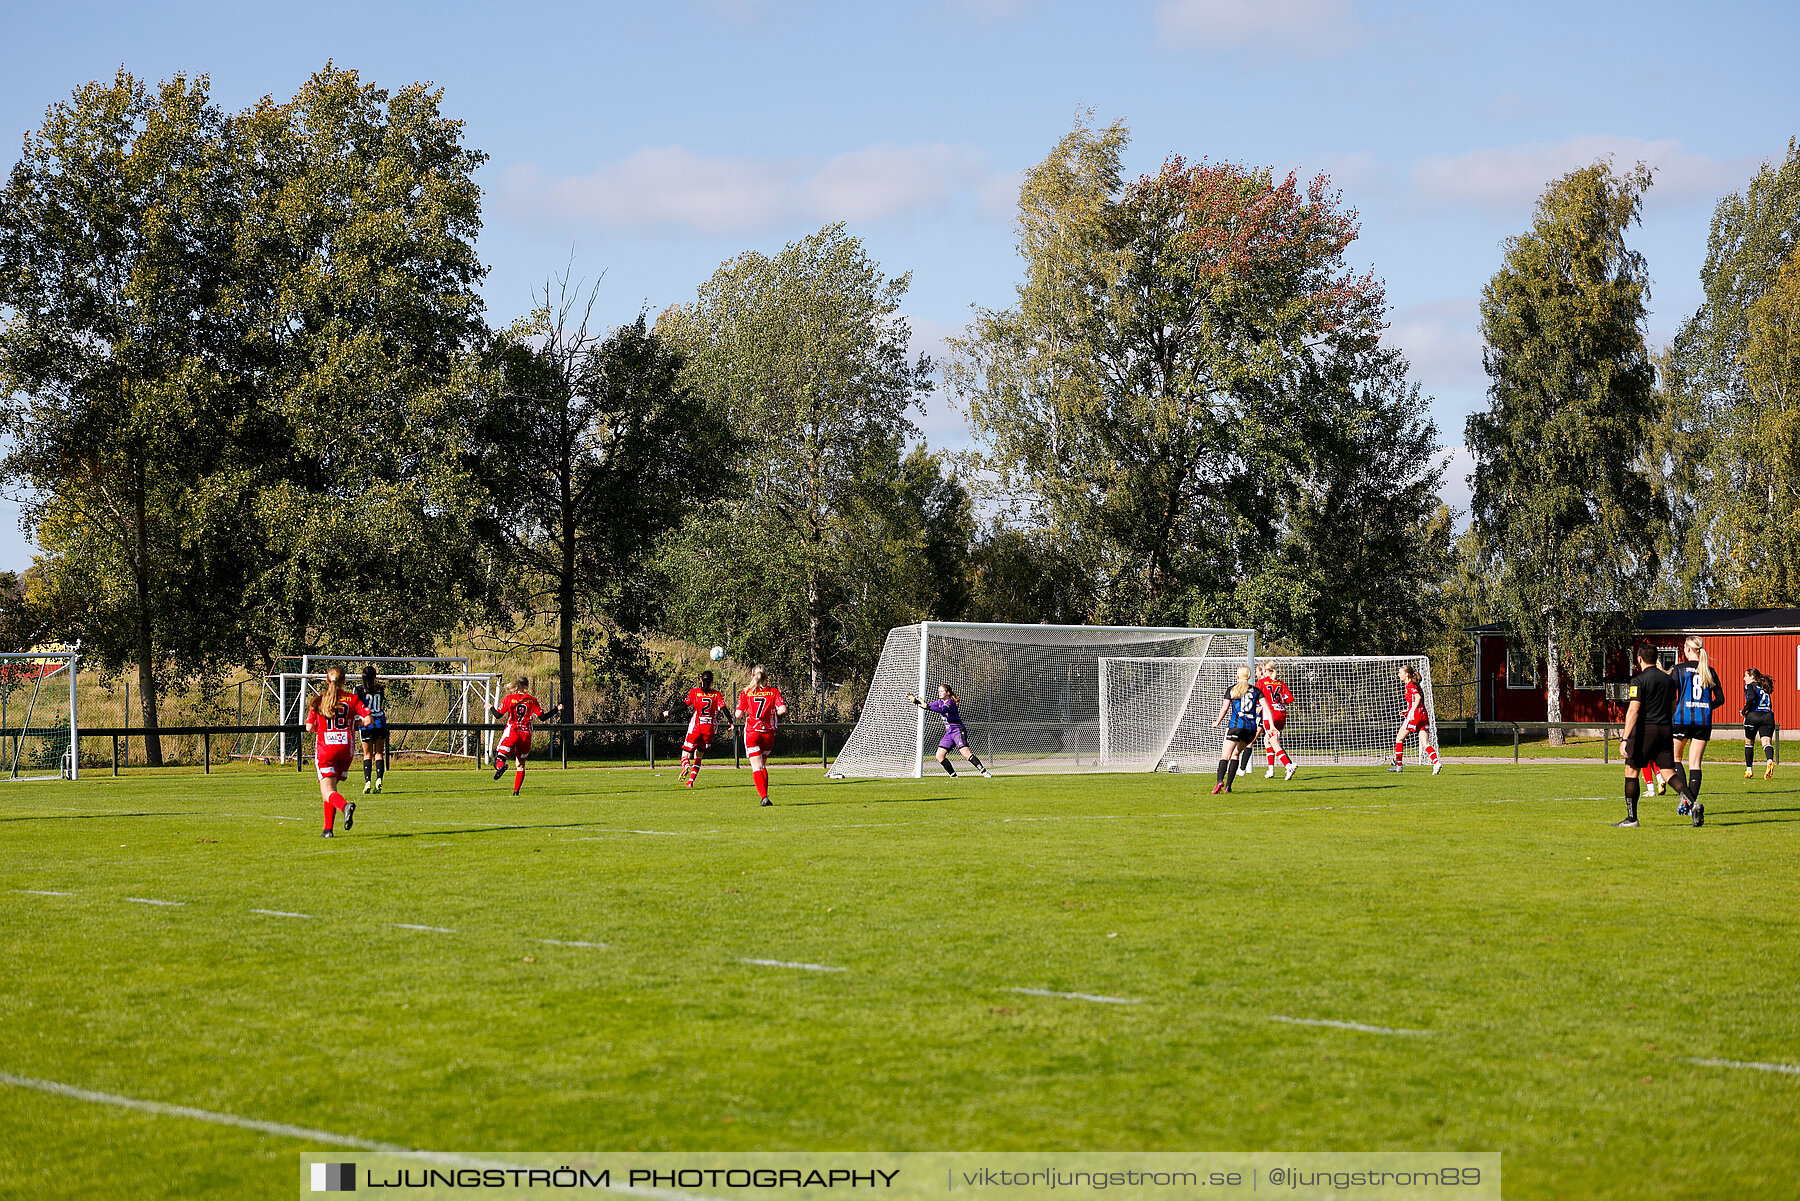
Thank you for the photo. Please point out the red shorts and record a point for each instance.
(699, 733)
(1280, 722)
(514, 745)
(759, 742)
(1421, 722)
(334, 761)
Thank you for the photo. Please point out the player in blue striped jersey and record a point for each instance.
(1759, 720)
(1697, 694)
(1248, 710)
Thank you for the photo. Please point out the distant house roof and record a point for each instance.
(1683, 621)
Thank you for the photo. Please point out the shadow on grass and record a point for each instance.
(73, 817)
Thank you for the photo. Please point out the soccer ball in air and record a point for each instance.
(718, 652)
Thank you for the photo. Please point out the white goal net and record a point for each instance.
(1158, 712)
(37, 716)
(1029, 694)
(440, 694)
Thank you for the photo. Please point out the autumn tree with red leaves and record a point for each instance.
(1192, 396)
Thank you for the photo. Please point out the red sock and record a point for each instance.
(330, 813)
(761, 776)
(1399, 751)
(1268, 755)
(334, 805)
(518, 779)
(1285, 761)
(1431, 754)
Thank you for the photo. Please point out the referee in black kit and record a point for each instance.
(1648, 739)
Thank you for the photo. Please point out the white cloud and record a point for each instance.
(1507, 180)
(1442, 342)
(1308, 27)
(672, 189)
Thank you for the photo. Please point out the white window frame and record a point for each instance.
(1530, 684)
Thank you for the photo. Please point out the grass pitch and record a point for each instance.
(441, 991)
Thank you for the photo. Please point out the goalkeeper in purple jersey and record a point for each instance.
(956, 735)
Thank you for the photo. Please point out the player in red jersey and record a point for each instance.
(1277, 697)
(330, 712)
(759, 706)
(519, 709)
(707, 706)
(1416, 721)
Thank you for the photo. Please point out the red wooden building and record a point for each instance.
(1511, 679)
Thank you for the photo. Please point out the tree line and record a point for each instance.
(257, 409)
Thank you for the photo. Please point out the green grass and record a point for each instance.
(1568, 969)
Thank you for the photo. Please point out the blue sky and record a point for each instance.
(652, 141)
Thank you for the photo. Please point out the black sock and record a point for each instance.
(1222, 764)
(946, 765)
(1768, 752)
(366, 770)
(1694, 784)
(1231, 770)
(1681, 780)
(1749, 754)
(1631, 797)
(1244, 759)
(975, 761)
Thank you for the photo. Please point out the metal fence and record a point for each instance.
(1609, 732)
(614, 742)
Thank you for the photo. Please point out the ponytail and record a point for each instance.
(1243, 684)
(327, 699)
(1703, 662)
(759, 677)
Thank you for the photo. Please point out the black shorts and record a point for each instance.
(1241, 733)
(1759, 725)
(1650, 746)
(374, 733)
(1694, 733)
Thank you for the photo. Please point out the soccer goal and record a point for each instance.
(1158, 712)
(1029, 693)
(37, 715)
(437, 693)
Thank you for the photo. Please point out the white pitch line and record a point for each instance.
(1275, 1017)
(43, 892)
(199, 1115)
(285, 1130)
(1786, 1069)
(1077, 996)
(433, 929)
(805, 967)
(152, 901)
(557, 942)
(280, 913)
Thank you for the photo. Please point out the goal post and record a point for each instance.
(1346, 709)
(421, 690)
(39, 721)
(1030, 694)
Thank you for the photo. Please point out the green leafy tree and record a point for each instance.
(1565, 514)
(361, 336)
(238, 357)
(1718, 452)
(1361, 544)
(807, 354)
(1190, 367)
(117, 228)
(593, 449)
